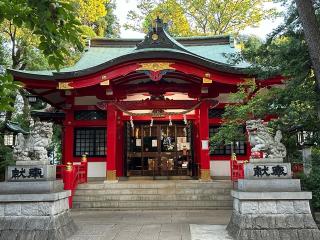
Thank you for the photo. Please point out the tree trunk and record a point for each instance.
(312, 34)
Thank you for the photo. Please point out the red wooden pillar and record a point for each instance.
(68, 137)
(120, 146)
(204, 142)
(111, 142)
(197, 142)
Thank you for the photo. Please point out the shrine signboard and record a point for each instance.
(25, 173)
(267, 170)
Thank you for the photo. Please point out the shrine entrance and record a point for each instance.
(159, 149)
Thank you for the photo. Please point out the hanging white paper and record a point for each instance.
(154, 143)
(138, 142)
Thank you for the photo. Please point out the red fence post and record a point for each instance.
(84, 162)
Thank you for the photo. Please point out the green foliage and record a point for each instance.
(244, 107)
(7, 88)
(169, 11)
(52, 20)
(311, 182)
(294, 103)
(112, 29)
(48, 25)
(200, 17)
(228, 16)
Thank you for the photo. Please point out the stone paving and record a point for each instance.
(150, 224)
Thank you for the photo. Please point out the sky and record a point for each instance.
(123, 6)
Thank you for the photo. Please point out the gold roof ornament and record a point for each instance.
(105, 83)
(206, 78)
(155, 66)
(155, 37)
(64, 85)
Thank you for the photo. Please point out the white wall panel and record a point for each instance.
(220, 168)
(97, 169)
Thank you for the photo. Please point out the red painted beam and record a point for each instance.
(156, 89)
(157, 104)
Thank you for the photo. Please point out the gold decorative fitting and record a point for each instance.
(84, 158)
(69, 166)
(234, 157)
(207, 75)
(105, 83)
(111, 175)
(206, 80)
(155, 66)
(205, 175)
(65, 85)
(155, 37)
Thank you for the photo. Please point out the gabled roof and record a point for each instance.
(210, 52)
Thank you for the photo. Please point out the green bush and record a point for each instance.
(311, 182)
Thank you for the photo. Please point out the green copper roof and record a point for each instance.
(97, 55)
(94, 56)
(210, 51)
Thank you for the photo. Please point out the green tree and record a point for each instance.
(112, 29)
(52, 22)
(227, 16)
(285, 53)
(311, 31)
(169, 10)
(201, 17)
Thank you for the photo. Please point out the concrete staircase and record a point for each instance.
(161, 194)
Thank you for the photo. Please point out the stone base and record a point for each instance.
(272, 216)
(56, 227)
(266, 160)
(269, 185)
(35, 216)
(31, 187)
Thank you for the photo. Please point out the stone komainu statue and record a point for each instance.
(34, 146)
(261, 140)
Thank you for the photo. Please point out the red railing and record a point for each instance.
(236, 169)
(73, 174)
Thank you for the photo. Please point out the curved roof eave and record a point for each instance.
(142, 54)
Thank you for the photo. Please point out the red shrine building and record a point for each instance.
(146, 107)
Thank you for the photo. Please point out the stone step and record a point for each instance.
(152, 185)
(165, 191)
(170, 197)
(155, 204)
(124, 195)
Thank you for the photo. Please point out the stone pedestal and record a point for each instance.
(35, 216)
(34, 208)
(269, 205)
